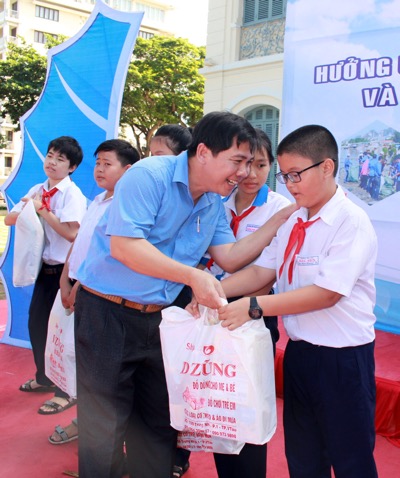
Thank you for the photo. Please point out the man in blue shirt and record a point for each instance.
(166, 213)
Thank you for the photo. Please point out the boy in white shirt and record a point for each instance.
(60, 205)
(325, 278)
(113, 158)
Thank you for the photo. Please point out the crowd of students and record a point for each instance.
(193, 223)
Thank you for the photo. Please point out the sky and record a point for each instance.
(192, 20)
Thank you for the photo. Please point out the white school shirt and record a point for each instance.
(338, 254)
(267, 203)
(81, 245)
(69, 205)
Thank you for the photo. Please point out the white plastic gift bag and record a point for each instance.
(60, 365)
(28, 246)
(221, 383)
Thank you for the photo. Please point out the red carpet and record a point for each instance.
(387, 374)
(26, 453)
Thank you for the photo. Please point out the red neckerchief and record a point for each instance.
(46, 196)
(296, 237)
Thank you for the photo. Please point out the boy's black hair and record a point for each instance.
(218, 131)
(176, 136)
(264, 143)
(313, 141)
(125, 152)
(70, 147)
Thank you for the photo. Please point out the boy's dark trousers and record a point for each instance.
(44, 294)
(329, 410)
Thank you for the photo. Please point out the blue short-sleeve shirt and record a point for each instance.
(152, 201)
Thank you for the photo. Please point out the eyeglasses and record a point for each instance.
(294, 176)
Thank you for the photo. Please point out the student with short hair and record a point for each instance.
(323, 259)
(60, 205)
(113, 158)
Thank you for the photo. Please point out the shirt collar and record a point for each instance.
(102, 197)
(181, 175)
(61, 186)
(328, 212)
(259, 200)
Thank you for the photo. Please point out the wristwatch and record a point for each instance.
(255, 311)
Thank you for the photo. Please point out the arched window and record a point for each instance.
(267, 119)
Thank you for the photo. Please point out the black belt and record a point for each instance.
(49, 269)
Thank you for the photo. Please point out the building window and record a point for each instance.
(263, 10)
(8, 161)
(151, 13)
(9, 136)
(14, 7)
(40, 37)
(124, 5)
(145, 35)
(267, 119)
(47, 13)
(13, 32)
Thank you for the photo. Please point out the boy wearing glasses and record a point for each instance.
(323, 259)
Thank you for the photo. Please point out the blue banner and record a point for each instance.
(82, 98)
(342, 70)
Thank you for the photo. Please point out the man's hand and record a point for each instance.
(207, 290)
(283, 214)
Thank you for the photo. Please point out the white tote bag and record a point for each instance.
(28, 246)
(60, 365)
(221, 383)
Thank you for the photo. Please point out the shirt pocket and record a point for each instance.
(198, 241)
(306, 269)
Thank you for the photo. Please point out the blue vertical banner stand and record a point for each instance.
(82, 97)
(342, 71)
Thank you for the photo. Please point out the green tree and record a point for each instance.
(22, 77)
(163, 86)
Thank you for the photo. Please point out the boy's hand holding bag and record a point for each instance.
(221, 383)
(60, 364)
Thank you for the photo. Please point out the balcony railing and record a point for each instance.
(8, 15)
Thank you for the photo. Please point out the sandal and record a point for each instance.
(27, 387)
(62, 435)
(56, 407)
(179, 471)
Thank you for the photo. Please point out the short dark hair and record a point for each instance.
(313, 141)
(70, 147)
(176, 136)
(125, 152)
(219, 129)
(263, 142)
